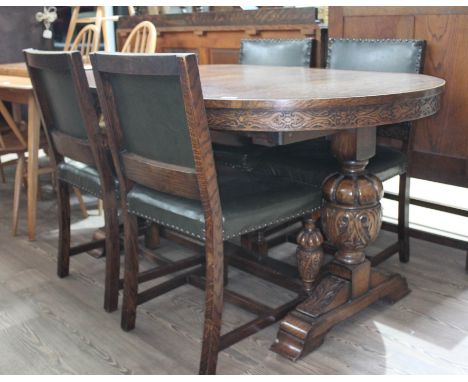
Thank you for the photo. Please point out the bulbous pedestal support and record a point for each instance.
(351, 212)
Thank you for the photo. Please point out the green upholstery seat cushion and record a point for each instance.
(237, 156)
(82, 176)
(249, 202)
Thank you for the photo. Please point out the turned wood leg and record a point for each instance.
(111, 292)
(63, 259)
(213, 302)
(130, 294)
(309, 253)
(403, 217)
(81, 202)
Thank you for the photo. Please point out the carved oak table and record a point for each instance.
(347, 105)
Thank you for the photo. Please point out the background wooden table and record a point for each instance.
(17, 88)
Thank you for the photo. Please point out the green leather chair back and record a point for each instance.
(152, 117)
(404, 56)
(157, 127)
(277, 52)
(61, 100)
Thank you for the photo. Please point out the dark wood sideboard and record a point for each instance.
(216, 36)
(441, 141)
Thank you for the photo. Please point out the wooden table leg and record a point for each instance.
(33, 165)
(351, 220)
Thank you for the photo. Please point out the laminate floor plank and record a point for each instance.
(58, 326)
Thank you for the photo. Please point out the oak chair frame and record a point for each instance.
(93, 152)
(199, 184)
(142, 39)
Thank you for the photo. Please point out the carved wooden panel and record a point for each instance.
(217, 35)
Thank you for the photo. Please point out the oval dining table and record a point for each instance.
(348, 106)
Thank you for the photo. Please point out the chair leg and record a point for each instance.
(63, 260)
(213, 305)
(100, 207)
(81, 202)
(111, 293)
(152, 238)
(403, 218)
(130, 294)
(466, 263)
(17, 192)
(2, 173)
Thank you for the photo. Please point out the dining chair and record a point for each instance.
(142, 39)
(86, 42)
(82, 158)
(276, 52)
(295, 161)
(98, 17)
(271, 52)
(161, 146)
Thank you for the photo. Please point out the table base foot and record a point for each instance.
(303, 329)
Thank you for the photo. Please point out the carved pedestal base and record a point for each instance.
(332, 301)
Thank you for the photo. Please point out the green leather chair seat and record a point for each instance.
(309, 162)
(82, 176)
(249, 202)
(237, 156)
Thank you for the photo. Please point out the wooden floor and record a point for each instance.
(57, 326)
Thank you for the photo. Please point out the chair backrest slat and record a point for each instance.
(142, 39)
(87, 41)
(71, 147)
(162, 176)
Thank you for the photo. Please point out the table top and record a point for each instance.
(15, 82)
(253, 86)
(14, 69)
(19, 69)
(271, 98)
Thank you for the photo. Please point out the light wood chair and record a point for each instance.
(142, 39)
(86, 42)
(13, 141)
(99, 19)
